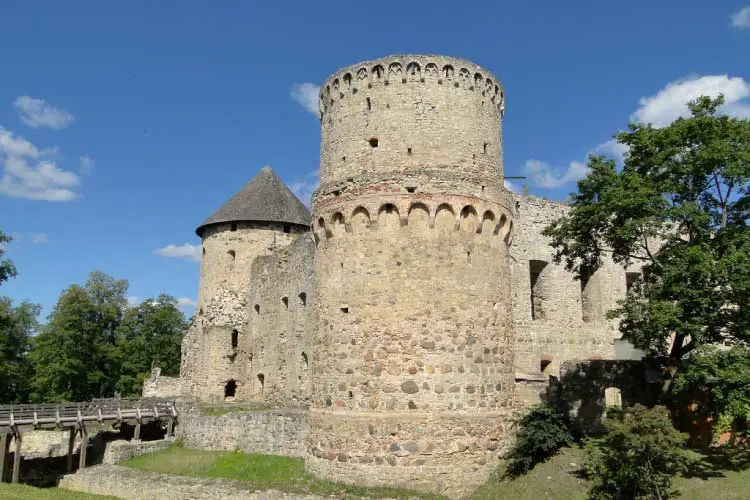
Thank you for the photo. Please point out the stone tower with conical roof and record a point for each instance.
(261, 219)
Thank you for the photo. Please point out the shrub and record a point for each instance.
(637, 458)
(724, 376)
(541, 434)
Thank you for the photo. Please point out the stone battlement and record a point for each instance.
(402, 69)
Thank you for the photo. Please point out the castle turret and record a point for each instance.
(413, 350)
(263, 217)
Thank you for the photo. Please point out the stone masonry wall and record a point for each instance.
(133, 484)
(275, 432)
(568, 321)
(158, 386)
(275, 350)
(229, 251)
(413, 343)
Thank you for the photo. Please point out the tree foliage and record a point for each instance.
(7, 269)
(17, 325)
(681, 204)
(637, 458)
(541, 434)
(724, 376)
(93, 345)
(150, 335)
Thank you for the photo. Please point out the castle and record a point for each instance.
(415, 311)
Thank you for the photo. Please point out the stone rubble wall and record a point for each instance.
(158, 386)
(45, 444)
(117, 451)
(132, 484)
(273, 432)
(275, 350)
(570, 322)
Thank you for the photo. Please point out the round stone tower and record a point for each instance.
(413, 350)
(264, 216)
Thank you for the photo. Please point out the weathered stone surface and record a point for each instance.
(133, 484)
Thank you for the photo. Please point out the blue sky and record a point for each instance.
(123, 125)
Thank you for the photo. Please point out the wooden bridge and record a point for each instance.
(75, 417)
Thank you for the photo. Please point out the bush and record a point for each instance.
(724, 376)
(541, 434)
(637, 458)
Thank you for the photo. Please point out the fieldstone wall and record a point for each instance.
(208, 354)
(158, 386)
(275, 350)
(132, 484)
(117, 451)
(557, 317)
(274, 432)
(45, 444)
(413, 343)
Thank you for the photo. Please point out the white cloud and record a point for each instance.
(612, 149)
(186, 304)
(741, 18)
(13, 145)
(304, 188)
(39, 239)
(185, 251)
(85, 164)
(511, 186)
(27, 174)
(670, 103)
(39, 113)
(45, 181)
(307, 95)
(547, 177)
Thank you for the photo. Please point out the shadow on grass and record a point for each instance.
(714, 462)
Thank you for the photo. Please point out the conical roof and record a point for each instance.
(264, 199)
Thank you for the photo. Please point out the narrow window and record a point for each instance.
(589, 298)
(303, 299)
(204, 250)
(285, 300)
(369, 104)
(286, 228)
(544, 365)
(345, 310)
(411, 189)
(538, 295)
(630, 281)
(230, 389)
(262, 381)
(304, 359)
(235, 338)
(485, 148)
(408, 151)
(233, 227)
(231, 254)
(257, 308)
(373, 142)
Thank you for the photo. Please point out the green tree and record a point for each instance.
(724, 375)
(637, 458)
(74, 357)
(7, 269)
(150, 335)
(681, 203)
(17, 325)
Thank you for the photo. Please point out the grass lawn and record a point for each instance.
(226, 409)
(258, 471)
(719, 477)
(22, 492)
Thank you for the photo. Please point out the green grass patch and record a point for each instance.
(259, 471)
(23, 492)
(722, 475)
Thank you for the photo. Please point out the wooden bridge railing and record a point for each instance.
(14, 419)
